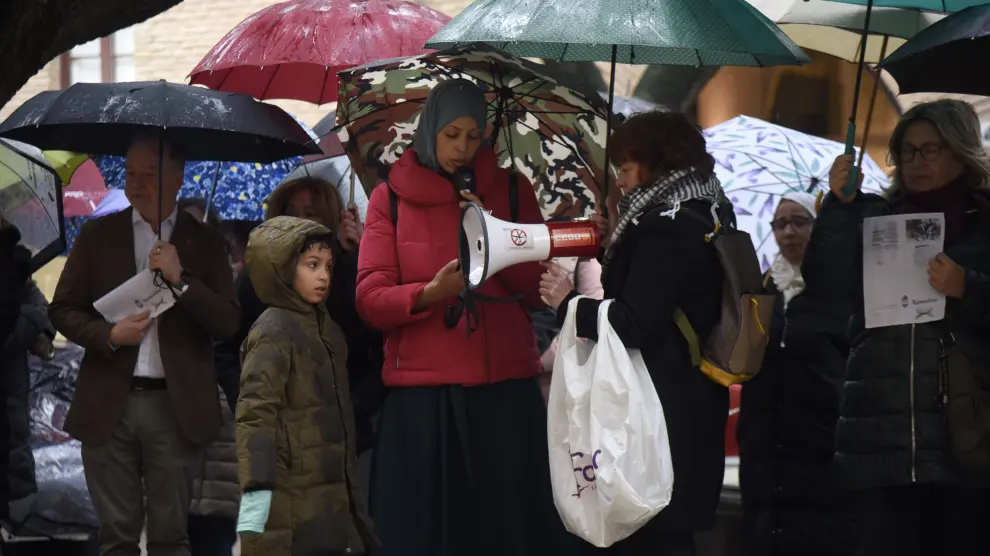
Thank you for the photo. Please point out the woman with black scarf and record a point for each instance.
(656, 261)
(896, 434)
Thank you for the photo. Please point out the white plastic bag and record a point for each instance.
(609, 454)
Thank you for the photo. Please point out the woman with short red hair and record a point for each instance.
(657, 261)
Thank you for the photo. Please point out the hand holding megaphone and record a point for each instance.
(449, 282)
(470, 198)
(488, 244)
(555, 285)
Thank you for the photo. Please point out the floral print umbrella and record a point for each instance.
(242, 188)
(759, 162)
(552, 134)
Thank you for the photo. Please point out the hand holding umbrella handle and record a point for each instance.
(850, 188)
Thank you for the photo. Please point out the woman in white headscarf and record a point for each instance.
(789, 410)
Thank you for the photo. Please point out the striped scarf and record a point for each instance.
(670, 190)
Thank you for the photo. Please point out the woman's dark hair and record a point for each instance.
(199, 203)
(662, 141)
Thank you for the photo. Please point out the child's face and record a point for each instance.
(312, 281)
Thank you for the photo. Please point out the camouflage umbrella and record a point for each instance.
(552, 134)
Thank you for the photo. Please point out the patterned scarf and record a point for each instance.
(670, 190)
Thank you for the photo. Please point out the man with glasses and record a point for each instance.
(146, 396)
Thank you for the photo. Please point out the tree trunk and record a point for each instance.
(33, 32)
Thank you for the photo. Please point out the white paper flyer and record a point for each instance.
(135, 296)
(896, 253)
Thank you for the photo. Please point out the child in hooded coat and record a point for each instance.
(296, 456)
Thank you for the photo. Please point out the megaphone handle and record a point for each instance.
(850, 188)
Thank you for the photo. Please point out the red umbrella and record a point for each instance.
(85, 191)
(294, 50)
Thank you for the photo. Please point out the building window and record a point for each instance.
(802, 103)
(105, 60)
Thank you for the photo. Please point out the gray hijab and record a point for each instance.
(449, 100)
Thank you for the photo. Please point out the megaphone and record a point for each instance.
(489, 245)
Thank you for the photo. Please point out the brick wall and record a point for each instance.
(169, 45)
(44, 80)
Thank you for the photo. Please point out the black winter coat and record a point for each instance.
(365, 347)
(32, 322)
(660, 265)
(15, 269)
(786, 434)
(891, 430)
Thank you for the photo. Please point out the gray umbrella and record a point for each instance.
(336, 170)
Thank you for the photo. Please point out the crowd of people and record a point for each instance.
(242, 411)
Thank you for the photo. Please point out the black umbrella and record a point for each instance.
(103, 118)
(326, 125)
(945, 58)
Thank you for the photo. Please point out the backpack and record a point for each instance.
(393, 199)
(734, 351)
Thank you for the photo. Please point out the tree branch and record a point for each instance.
(34, 32)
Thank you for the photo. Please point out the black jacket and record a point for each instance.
(15, 269)
(661, 264)
(365, 354)
(891, 429)
(786, 433)
(33, 321)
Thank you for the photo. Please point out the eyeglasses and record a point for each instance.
(928, 151)
(798, 223)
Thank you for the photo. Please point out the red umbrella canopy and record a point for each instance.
(293, 50)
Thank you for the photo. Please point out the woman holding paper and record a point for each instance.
(912, 398)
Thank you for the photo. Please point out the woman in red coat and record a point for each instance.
(461, 465)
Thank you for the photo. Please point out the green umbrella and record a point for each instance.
(672, 32)
(944, 6)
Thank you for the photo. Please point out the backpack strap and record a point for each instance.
(680, 319)
(700, 218)
(514, 195)
(393, 202)
(694, 346)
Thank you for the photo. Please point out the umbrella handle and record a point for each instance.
(850, 189)
(351, 204)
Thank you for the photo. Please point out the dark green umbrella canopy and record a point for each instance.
(670, 32)
(946, 6)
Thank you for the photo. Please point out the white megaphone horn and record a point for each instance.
(489, 245)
